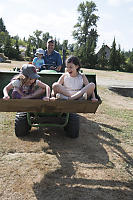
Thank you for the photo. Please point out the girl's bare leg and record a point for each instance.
(58, 88)
(89, 89)
(94, 99)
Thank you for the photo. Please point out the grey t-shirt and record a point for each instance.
(17, 84)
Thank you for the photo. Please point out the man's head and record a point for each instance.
(50, 45)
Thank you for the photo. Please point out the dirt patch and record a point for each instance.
(47, 165)
(13, 64)
(115, 100)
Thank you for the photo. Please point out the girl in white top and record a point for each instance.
(23, 85)
(73, 84)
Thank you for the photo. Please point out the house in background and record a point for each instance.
(104, 50)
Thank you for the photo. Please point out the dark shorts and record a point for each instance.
(16, 95)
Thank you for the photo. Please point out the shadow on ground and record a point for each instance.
(124, 91)
(79, 159)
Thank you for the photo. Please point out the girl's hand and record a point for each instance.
(45, 99)
(6, 97)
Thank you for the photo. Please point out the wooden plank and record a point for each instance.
(36, 105)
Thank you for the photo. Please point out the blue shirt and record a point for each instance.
(54, 59)
(38, 62)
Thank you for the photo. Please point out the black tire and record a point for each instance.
(72, 127)
(22, 127)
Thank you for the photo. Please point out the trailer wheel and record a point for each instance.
(22, 127)
(72, 127)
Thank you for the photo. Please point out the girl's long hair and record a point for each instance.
(23, 79)
(74, 60)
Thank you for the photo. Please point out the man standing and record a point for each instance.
(52, 57)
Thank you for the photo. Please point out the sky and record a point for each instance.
(58, 17)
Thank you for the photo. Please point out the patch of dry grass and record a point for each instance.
(10, 66)
(47, 165)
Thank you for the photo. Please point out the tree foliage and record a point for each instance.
(117, 58)
(113, 56)
(85, 33)
(102, 58)
(2, 26)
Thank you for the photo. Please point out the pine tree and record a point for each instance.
(8, 51)
(102, 58)
(28, 49)
(113, 56)
(2, 26)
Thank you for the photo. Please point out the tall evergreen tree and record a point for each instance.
(113, 56)
(3, 35)
(120, 59)
(65, 44)
(102, 57)
(8, 50)
(45, 37)
(2, 26)
(28, 49)
(131, 58)
(85, 33)
(36, 40)
(2, 40)
(16, 45)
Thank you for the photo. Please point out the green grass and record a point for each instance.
(7, 121)
(125, 117)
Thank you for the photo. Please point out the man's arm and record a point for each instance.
(59, 68)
